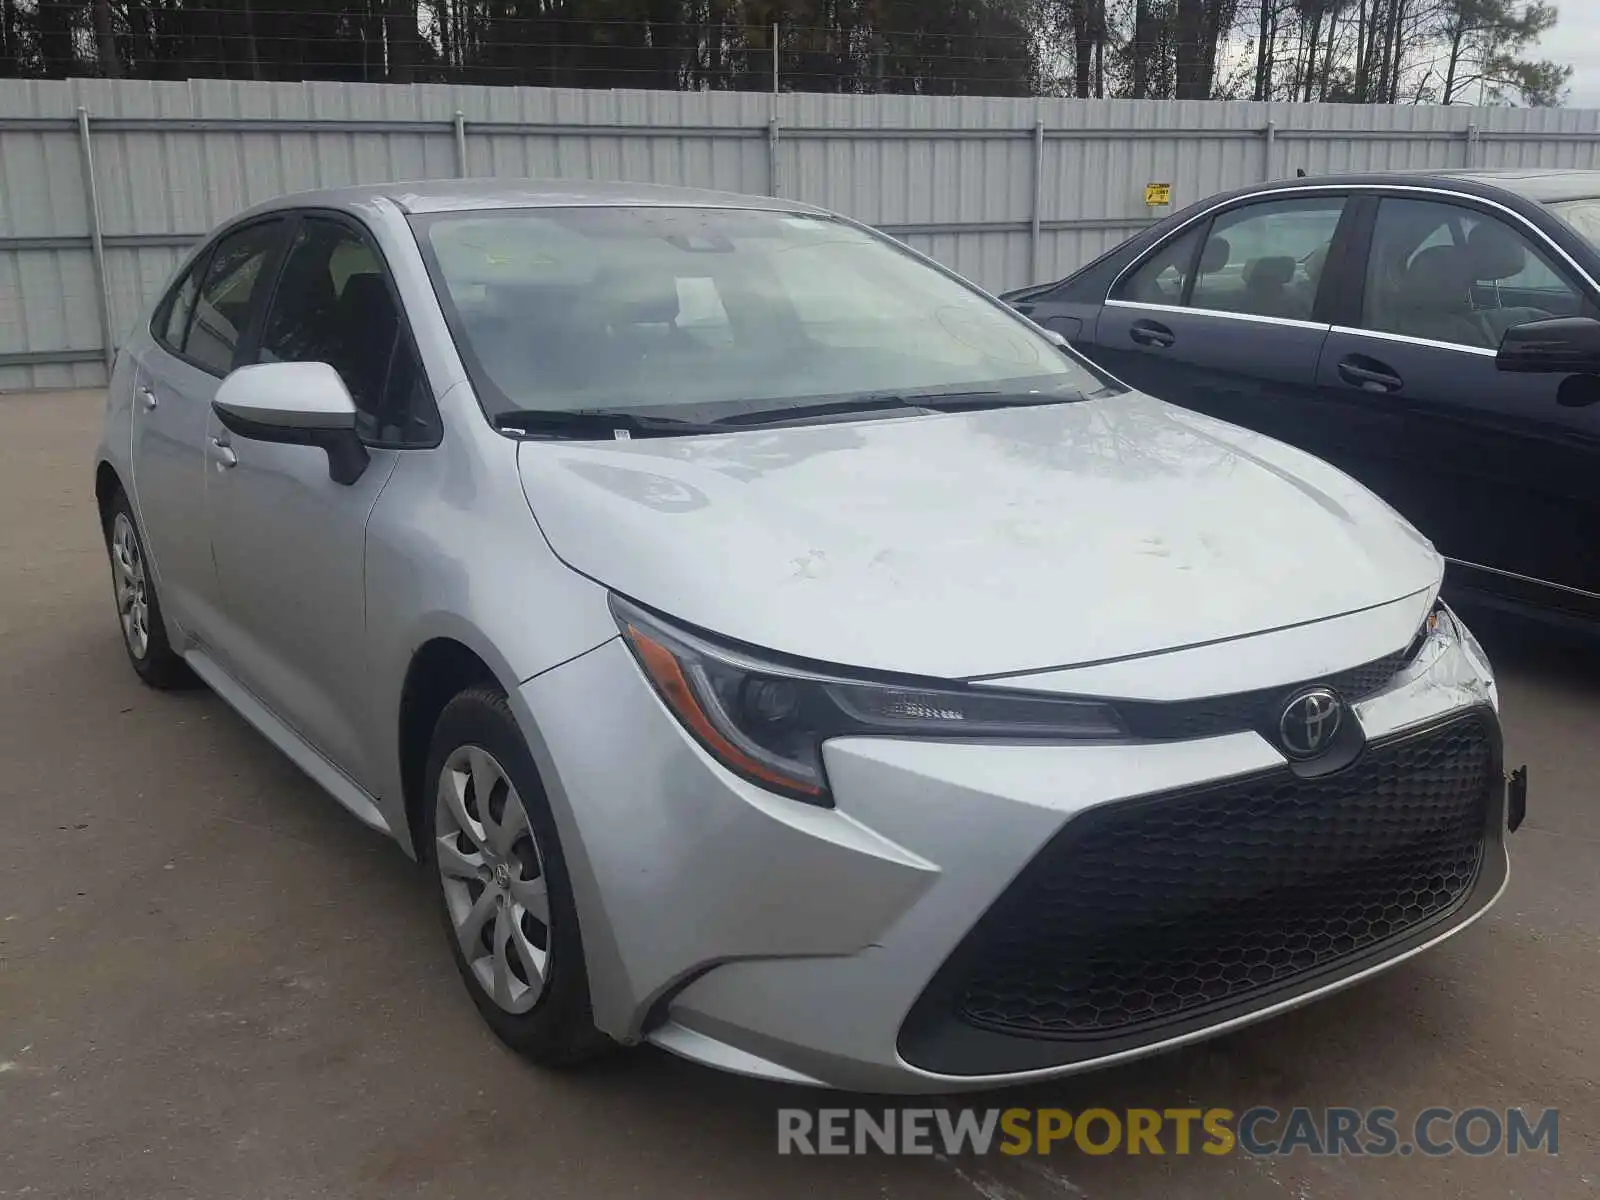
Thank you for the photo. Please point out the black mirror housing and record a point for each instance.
(1560, 346)
(347, 454)
(295, 404)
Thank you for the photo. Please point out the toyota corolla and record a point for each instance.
(779, 651)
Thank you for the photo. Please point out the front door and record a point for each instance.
(1501, 470)
(195, 332)
(289, 542)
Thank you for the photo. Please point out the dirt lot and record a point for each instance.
(215, 984)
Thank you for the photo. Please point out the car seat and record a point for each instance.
(1265, 282)
(363, 326)
(1434, 299)
(1496, 254)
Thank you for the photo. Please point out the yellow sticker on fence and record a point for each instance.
(1158, 193)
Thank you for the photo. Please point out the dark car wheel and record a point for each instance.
(144, 633)
(502, 884)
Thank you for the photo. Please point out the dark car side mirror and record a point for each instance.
(1560, 346)
(296, 404)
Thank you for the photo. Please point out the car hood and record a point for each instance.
(984, 543)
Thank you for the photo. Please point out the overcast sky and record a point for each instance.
(1576, 40)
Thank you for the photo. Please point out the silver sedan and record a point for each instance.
(778, 650)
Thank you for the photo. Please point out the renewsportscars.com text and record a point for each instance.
(1259, 1131)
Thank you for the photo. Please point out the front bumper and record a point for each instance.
(768, 937)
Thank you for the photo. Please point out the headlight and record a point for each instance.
(767, 721)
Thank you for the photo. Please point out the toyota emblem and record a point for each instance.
(1310, 722)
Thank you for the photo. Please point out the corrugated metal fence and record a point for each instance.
(103, 183)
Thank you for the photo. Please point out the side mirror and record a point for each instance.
(295, 404)
(1560, 346)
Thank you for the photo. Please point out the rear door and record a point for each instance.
(1501, 470)
(1225, 317)
(196, 331)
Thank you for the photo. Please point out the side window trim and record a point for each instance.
(1383, 335)
(404, 333)
(1219, 314)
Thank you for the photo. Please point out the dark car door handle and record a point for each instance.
(1369, 374)
(1151, 333)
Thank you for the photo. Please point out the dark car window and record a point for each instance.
(1163, 278)
(232, 280)
(333, 304)
(172, 318)
(1267, 259)
(1454, 274)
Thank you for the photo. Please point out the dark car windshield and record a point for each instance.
(1582, 215)
(711, 312)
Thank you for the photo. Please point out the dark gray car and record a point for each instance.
(1433, 334)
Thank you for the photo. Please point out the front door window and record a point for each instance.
(1453, 274)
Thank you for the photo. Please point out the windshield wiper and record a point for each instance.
(914, 401)
(596, 423)
(872, 402)
(973, 401)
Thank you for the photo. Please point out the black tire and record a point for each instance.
(558, 1031)
(159, 665)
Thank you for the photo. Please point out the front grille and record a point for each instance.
(1183, 719)
(1146, 912)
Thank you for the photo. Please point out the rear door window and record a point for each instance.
(1267, 259)
(1163, 278)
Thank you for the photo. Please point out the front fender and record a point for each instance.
(452, 551)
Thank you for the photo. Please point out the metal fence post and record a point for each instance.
(1472, 144)
(97, 244)
(461, 144)
(1034, 247)
(1272, 142)
(772, 151)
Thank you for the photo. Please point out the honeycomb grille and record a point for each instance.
(1249, 710)
(1148, 912)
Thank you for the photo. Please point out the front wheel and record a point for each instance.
(502, 885)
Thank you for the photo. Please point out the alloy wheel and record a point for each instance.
(493, 877)
(128, 578)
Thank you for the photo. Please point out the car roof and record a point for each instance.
(1542, 186)
(459, 195)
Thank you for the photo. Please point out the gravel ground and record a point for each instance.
(215, 984)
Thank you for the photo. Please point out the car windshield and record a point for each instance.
(707, 313)
(1582, 215)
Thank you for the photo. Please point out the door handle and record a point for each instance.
(224, 454)
(147, 398)
(1151, 333)
(1369, 375)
